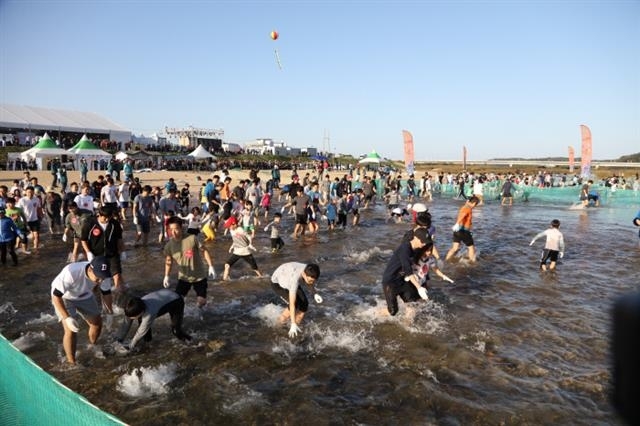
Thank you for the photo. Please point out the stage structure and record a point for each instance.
(211, 139)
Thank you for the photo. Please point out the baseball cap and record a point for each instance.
(231, 221)
(422, 234)
(423, 218)
(101, 267)
(419, 207)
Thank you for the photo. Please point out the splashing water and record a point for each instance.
(147, 381)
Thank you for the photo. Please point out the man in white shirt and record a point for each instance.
(32, 208)
(109, 195)
(84, 200)
(285, 281)
(72, 294)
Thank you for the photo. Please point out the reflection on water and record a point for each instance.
(505, 344)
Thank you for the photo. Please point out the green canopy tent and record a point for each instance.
(372, 158)
(87, 150)
(44, 149)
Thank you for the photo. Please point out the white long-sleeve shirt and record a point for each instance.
(555, 240)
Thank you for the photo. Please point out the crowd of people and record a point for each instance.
(94, 215)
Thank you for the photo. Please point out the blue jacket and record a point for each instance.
(8, 230)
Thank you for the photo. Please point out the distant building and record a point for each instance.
(210, 139)
(260, 147)
(231, 147)
(309, 152)
(154, 139)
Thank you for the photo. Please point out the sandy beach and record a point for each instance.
(159, 177)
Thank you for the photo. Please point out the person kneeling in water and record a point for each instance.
(149, 307)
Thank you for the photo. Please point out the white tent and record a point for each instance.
(121, 155)
(372, 158)
(45, 148)
(36, 118)
(200, 153)
(87, 150)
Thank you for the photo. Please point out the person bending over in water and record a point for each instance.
(285, 281)
(146, 309)
(554, 246)
(399, 278)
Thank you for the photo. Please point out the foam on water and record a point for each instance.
(147, 381)
(419, 317)
(29, 339)
(238, 396)
(44, 318)
(365, 255)
(7, 308)
(350, 339)
(477, 341)
(269, 314)
(286, 347)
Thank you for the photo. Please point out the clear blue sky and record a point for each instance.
(504, 78)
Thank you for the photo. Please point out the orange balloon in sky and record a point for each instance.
(274, 35)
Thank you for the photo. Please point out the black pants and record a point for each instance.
(8, 246)
(175, 310)
(277, 243)
(342, 220)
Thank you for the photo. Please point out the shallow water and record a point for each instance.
(505, 344)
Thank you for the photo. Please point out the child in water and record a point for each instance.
(426, 262)
(554, 246)
(276, 239)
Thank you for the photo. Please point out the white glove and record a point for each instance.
(266, 229)
(108, 321)
(64, 237)
(72, 324)
(123, 256)
(423, 293)
(324, 217)
(531, 243)
(282, 210)
(455, 228)
(318, 298)
(120, 348)
(251, 247)
(313, 215)
(447, 279)
(561, 254)
(158, 218)
(166, 282)
(90, 256)
(294, 330)
(212, 273)
(135, 220)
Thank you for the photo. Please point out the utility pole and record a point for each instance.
(326, 142)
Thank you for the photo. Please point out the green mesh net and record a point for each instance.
(30, 396)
